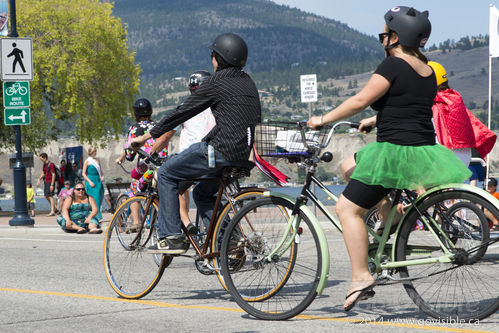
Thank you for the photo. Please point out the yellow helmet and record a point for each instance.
(439, 72)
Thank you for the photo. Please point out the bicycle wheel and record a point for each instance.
(121, 199)
(467, 227)
(130, 270)
(283, 287)
(462, 288)
(227, 213)
(373, 220)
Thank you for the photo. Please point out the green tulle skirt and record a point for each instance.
(407, 167)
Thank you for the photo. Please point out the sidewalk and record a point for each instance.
(42, 220)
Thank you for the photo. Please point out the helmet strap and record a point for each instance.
(390, 46)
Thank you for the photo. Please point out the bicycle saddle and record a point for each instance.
(235, 172)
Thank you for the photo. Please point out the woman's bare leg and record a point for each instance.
(347, 167)
(356, 240)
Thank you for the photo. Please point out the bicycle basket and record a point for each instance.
(284, 139)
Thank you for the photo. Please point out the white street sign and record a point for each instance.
(17, 59)
(308, 85)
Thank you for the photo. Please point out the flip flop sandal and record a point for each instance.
(95, 231)
(365, 293)
(81, 231)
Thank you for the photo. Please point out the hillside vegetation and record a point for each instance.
(171, 39)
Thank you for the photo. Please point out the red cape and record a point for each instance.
(457, 127)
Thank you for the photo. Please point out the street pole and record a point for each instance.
(21, 217)
(310, 114)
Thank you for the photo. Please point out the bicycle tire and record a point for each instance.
(279, 289)
(224, 218)
(130, 270)
(121, 198)
(460, 290)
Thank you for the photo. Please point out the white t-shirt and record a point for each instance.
(195, 129)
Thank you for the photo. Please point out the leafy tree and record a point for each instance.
(85, 77)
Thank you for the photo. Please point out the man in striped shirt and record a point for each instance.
(235, 104)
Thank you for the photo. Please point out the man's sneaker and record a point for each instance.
(170, 245)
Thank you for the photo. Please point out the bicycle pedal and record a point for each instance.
(382, 281)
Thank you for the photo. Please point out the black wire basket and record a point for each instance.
(285, 139)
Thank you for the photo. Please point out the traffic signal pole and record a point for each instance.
(21, 217)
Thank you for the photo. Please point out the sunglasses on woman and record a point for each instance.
(382, 36)
(79, 189)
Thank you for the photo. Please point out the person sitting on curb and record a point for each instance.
(65, 192)
(78, 212)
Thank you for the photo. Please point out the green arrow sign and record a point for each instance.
(16, 94)
(19, 116)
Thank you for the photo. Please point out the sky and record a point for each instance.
(450, 19)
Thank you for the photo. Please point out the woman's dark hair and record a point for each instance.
(74, 190)
(443, 86)
(415, 52)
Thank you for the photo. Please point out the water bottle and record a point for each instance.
(211, 156)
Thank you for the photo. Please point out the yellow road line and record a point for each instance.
(217, 308)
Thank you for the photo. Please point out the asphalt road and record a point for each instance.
(51, 281)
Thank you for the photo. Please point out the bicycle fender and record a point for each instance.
(444, 188)
(320, 234)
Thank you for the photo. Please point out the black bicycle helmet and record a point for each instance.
(412, 26)
(197, 78)
(142, 108)
(231, 48)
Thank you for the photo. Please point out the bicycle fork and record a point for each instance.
(291, 234)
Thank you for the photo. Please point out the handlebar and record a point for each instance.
(149, 159)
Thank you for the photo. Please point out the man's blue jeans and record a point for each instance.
(189, 164)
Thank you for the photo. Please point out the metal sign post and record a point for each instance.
(21, 217)
(308, 87)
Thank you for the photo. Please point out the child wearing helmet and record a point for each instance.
(456, 127)
(405, 155)
(142, 110)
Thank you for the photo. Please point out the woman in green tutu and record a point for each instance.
(405, 155)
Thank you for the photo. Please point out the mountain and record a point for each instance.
(171, 37)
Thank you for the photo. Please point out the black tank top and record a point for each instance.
(404, 112)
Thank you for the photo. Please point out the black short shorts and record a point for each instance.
(46, 190)
(363, 195)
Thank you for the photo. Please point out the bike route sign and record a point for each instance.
(17, 116)
(16, 94)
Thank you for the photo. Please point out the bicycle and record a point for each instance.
(284, 255)
(131, 271)
(118, 191)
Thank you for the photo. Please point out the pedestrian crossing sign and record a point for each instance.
(17, 59)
